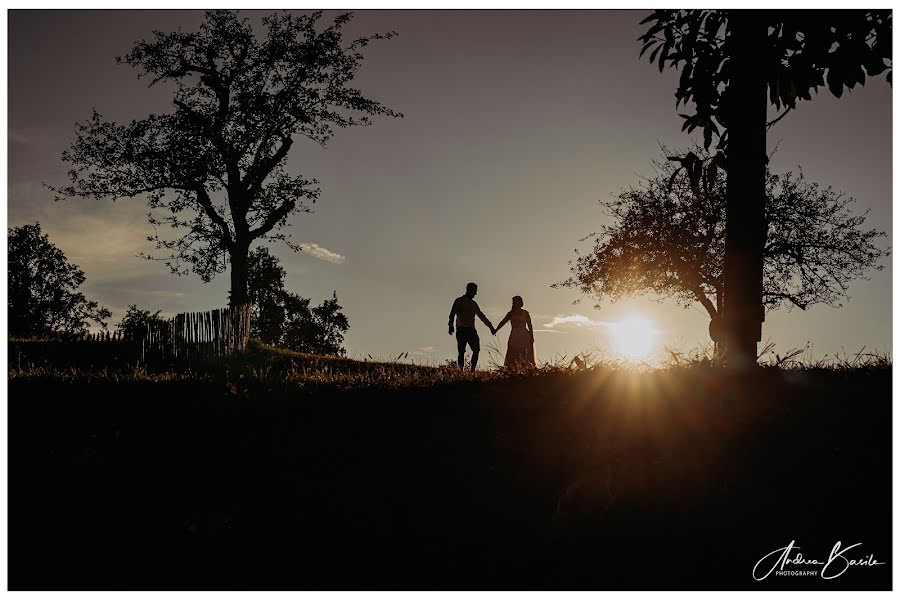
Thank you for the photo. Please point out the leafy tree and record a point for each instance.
(668, 238)
(317, 330)
(732, 64)
(213, 170)
(136, 322)
(266, 290)
(331, 325)
(43, 288)
(283, 318)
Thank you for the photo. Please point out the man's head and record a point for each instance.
(471, 290)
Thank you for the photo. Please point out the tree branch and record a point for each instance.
(274, 217)
(771, 123)
(705, 301)
(259, 171)
(206, 203)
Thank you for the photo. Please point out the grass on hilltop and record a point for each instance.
(289, 471)
(266, 363)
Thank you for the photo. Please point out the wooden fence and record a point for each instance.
(197, 339)
(192, 340)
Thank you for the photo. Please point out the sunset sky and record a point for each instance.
(515, 125)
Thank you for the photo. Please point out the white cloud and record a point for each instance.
(321, 253)
(575, 320)
(426, 349)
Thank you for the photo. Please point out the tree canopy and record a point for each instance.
(805, 50)
(667, 238)
(214, 169)
(44, 300)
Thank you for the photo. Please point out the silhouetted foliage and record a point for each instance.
(136, 322)
(668, 239)
(214, 169)
(733, 63)
(806, 49)
(316, 330)
(283, 318)
(44, 300)
(265, 283)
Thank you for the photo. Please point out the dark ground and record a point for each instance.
(678, 480)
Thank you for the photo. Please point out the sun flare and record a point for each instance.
(633, 337)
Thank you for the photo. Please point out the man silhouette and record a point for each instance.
(464, 309)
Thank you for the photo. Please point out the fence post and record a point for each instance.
(194, 338)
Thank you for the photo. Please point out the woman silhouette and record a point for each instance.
(520, 347)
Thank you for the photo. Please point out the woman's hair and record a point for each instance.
(518, 302)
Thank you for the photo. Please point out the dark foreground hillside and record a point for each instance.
(598, 480)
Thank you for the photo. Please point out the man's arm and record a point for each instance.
(452, 314)
(483, 318)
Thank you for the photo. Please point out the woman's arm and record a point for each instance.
(530, 326)
(502, 323)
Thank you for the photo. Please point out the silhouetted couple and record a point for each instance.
(520, 347)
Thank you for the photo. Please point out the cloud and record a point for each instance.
(426, 349)
(575, 320)
(321, 253)
(101, 237)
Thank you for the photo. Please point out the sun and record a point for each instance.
(633, 337)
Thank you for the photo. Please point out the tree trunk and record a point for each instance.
(745, 216)
(240, 266)
(239, 298)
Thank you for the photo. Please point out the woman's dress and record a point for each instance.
(520, 347)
